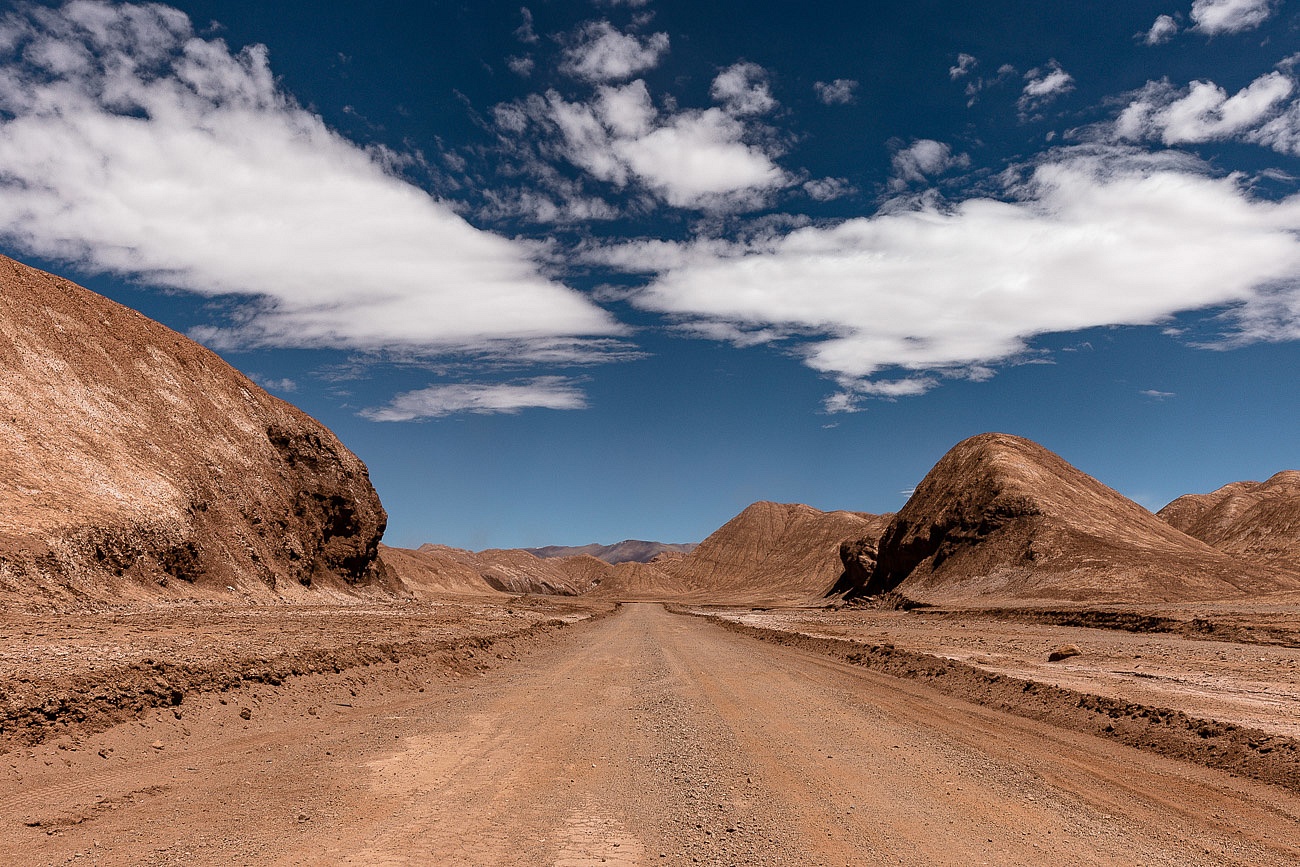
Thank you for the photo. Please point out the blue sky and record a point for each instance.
(564, 272)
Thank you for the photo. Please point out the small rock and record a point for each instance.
(157, 745)
(245, 713)
(1065, 651)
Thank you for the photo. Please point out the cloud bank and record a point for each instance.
(130, 145)
(888, 305)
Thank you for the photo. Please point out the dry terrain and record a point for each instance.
(638, 738)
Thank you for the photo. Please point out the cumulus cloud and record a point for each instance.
(600, 52)
(827, 189)
(742, 89)
(841, 91)
(965, 63)
(1044, 84)
(890, 304)
(1204, 111)
(923, 159)
(1230, 16)
(130, 145)
(438, 401)
(521, 65)
(689, 159)
(1164, 29)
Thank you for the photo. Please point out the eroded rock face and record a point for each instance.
(135, 461)
(1002, 517)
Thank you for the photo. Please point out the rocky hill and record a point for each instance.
(627, 551)
(135, 462)
(1001, 517)
(509, 570)
(770, 552)
(1257, 521)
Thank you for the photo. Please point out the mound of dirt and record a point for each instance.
(770, 552)
(136, 462)
(1257, 521)
(627, 551)
(1002, 517)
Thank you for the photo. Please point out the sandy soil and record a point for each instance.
(1250, 684)
(639, 738)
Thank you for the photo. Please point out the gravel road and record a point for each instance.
(640, 738)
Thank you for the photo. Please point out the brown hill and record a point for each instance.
(627, 551)
(1002, 517)
(509, 570)
(1258, 521)
(644, 581)
(134, 460)
(426, 573)
(770, 552)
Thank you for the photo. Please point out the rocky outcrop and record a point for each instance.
(1002, 517)
(135, 461)
(1256, 521)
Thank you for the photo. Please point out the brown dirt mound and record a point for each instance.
(1002, 517)
(771, 552)
(137, 463)
(1258, 521)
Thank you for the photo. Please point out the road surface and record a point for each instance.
(642, 738)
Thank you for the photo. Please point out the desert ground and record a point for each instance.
(543, 731)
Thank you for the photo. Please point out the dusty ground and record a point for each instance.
(1247, 683)
(638, 738)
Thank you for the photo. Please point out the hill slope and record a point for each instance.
(134, 461)
(1257, 521)
(627, 551)
(1002, 517)
(770, 552)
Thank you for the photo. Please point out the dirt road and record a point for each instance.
(642, 738)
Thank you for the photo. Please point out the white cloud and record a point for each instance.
(742, 89)
(1093, 237)
(1204, 112)
(965, 63)
(438, 401)
(1230, 16)
(827, 189)
(521, 65)
(1162, 30)
(525, 33)
(1044, 85)
(690, 159)
(600, 52)
(130, 145)
(923, 159)
(1155, 394)
(841, 91)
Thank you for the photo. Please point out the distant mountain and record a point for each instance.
(134, 462)
(770, 552)
(1001, 517)
(1258, 521)
(439, 568)
(627, 551)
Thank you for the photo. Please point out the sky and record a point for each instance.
(565, 272)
